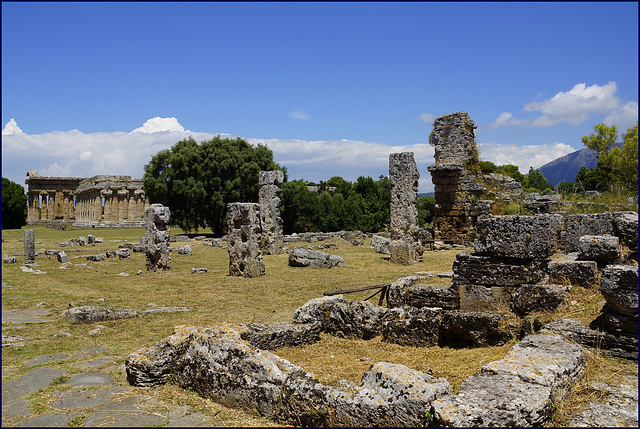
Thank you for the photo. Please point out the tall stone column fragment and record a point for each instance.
(243, 240)
(29, 246)
(403, 176)
(270, 220)
(157, 238)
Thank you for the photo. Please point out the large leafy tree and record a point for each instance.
(537, 180)
(14, 205)
(196, 181)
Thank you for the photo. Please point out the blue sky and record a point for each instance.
(331, 88)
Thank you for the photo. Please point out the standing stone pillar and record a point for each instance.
(123, 205)
(272, 235)
(156, 238)
(98, 207)
(131, 214)
(139, 193)
(44, 213)
(51, 205)
(34, 205)
(66, 212)
(29, 246)
(243, 240)
(106, 193)
(403, 177)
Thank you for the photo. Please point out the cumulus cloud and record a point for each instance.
(624, 117)
(299, 114)
(11, 128)
(158, 124)
(573, 107)
(523, 156)
(427, 118)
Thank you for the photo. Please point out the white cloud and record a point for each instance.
(158, 124)
(624, 117)
(427, 118)
(299, 114)
(523, 156)
(574, 107)
(11, 128)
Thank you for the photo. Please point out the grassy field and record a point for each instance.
(216, 297)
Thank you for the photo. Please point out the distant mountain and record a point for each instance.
(427, 194)
(566, 167)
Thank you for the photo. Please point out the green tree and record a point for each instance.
(514, 172)
(426, 210)
(14, 205)
(488, 167)
(197, 181)
(566, 188)
(603, 140)
(537, 180)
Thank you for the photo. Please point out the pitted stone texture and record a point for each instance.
(619, 286)
(300, 257)
(483, 298)
(156, 238)
(478, 328)
(243, 240)
(586, 224)
(472, 269)
(537, 297)
(453, 139)
(185, 249)
(520, 237)
(283, 334)
(569, 270)
(403, 252)
(626, 229)
(317, 309)
(422, 295)
(91, 314)
(29, 246)
(517, 391)
(611, 345)
(619, 408)
(218, 364)
(403, 177)
(598, 248)
(398, 293)
(380, 244)
(270, 220)
(357, 319)
(410, 326)
(96, 258)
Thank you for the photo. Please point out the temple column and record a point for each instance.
(106, 193)
(44, 214)
(97, 214)
(132, 206)
(34, 202)
(139, 204)
(51, 205)
(123, 203)
(66, 195)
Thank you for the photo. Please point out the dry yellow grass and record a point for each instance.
(216, 297)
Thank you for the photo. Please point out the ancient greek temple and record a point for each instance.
(103, 200)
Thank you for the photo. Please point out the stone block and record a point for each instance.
(537, 297)
(62, 257)
(9, 259)
(403, 177)
(282, 334)
(185, 249)
(472, 269)
(123, 253)
(578, 225)
(478, 328)
(96, 258)
(422, 295)
(299, 257)
(380, 244)
(403, 252)
(91, 240)
(481, 298)
(570, 270)
(521, 237)
(156, 238)
(357, 319)
(317, 309)
(272, 237)
(415, 327)
(599, 248)
(29, 238)
(619, 286)
(243, 240)
(626, 229)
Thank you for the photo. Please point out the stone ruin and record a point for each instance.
(156, 238)
(29, 246)
(455, 175)
(105, 200)
(272, 235)
(243, 240)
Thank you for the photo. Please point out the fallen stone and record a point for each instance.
(14, 340)
(403, 252)
(300, 257)
(91, 314)
(9, 259)
(598, 248)
(283, 334)
(578, 225)
(482, 298)
(410, 326)
(198, 270)
(539, 297)
(185, 250)
(618, 408)
(380, 244)
(478, 329)
(619, 286)
(357, 319)
(62, 257)
(472, 269)
(96, 258)
(569, 270)
(317, 309)
(626, 229)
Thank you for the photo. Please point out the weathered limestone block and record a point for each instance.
(217, 363)
(243, 240)
(380, 244)
(453, 139)
(422, 295)
(299, 257)
(91, 240)
(619, 409)
(521, 237)
(482, 298)
(91, 314)
(403, 252)
(96, 258)
(619, 286)
(198, 270)
(156, 310)
(569, 270)
(536, 203)
(403, 177)
(283, 334)
(317, 309)
(529, 298)
(185, 249)
(357, 319)
(82, 241)
(272, 236)
(62, 257)
(472, 269)
(478, 329)
(598, 248)
(9, 259)
(156, 238)
(410, 326)
(625, 347)
(123, 253)
(517, 391)
(29, 246)
(586, 224)
(626, 229)
(399, 290)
